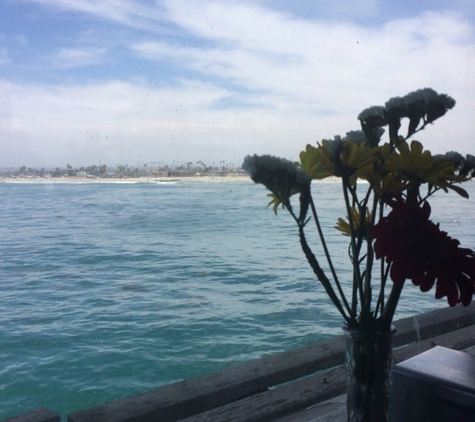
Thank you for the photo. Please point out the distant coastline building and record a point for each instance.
(160, 173)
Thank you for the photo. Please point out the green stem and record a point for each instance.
(357, 287)
(390, 308)
(384, 268)
(312, 260)
(384, 277)
(370, 258)
(367, 282)
(327, 254)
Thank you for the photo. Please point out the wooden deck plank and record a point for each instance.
(433, 323)
(461, 339)
(210, 391)
(297, 396)
(332, 410)
(278, 402)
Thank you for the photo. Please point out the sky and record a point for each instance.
(111, 82)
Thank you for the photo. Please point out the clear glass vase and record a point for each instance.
(369, 361)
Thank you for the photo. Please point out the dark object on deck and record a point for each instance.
(435, 386)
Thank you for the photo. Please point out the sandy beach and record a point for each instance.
(144, 179)
(233, 178)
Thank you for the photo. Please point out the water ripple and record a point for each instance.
(109, 290)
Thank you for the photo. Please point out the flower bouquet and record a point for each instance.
(391, 236)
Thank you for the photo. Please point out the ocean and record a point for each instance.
(111, 289)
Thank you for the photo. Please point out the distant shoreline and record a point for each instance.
(145, 179)
(124, 179)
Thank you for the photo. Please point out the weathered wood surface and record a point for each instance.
(299, 395)
(334, 410)
(246, 392)
(38, 415)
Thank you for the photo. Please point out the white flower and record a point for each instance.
(468, 166)
(428, 95)
(395, 110)
(372, 118)
(427, 101)
(356, 136)
(446, 101)
(465, 165)
(371, 113)
(359, 137)
(395, 103)
(253, 164)
(427, 105)
(456, 160)
(452, 156)
(470, 159)
(334, 146)
(278, 175)
(302, 178)
(420, 99)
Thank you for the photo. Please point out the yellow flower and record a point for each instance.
(317, 162)
(382, 176)
(344, 225)
(338, 158)
(392, 184)
(413, 165)
(276, 201)
(358, 158)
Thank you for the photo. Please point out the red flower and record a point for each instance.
(417, 249)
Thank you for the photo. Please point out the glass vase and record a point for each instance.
(369, 361)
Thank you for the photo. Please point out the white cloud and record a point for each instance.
(274, 82)
(126, 119)
(133, 14)
(4, 58)
(313, 63)
(78, 57)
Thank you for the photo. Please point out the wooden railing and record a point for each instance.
(275, 386)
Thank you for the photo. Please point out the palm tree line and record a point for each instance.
(141, 169)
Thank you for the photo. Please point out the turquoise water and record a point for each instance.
(111, 289)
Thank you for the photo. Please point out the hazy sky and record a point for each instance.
(128, 81)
